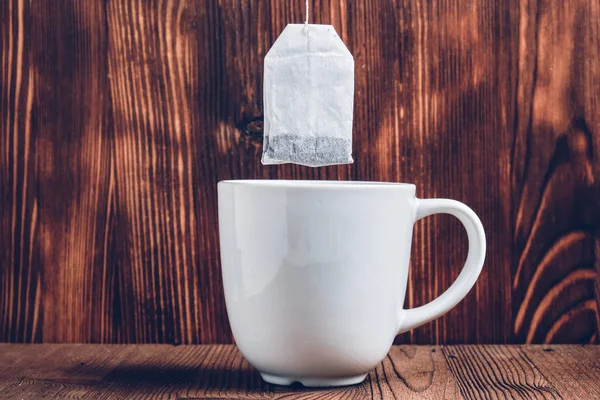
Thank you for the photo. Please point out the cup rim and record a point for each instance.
(316, 184)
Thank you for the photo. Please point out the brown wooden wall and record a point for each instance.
(118, 117)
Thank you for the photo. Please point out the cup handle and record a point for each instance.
(414, 317)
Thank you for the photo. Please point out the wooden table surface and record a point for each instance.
(204, 372)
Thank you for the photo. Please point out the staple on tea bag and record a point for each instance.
(308, 98)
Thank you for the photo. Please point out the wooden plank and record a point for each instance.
(19, 277)
(210, 372)
(73, 173)
(56, 153)
(555, 173)
(152, 56)
(442, 115)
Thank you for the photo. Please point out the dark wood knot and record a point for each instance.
(255, 128)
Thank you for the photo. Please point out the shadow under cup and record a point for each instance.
(315, 274)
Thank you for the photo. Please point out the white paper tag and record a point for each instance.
(308, 98)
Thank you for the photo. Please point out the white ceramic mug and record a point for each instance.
(315, 273)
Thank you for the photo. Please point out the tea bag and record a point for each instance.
(308, 98)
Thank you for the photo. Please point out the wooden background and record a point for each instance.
(118, 117)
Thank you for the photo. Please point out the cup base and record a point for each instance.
(313, 382)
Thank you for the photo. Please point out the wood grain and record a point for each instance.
(118, 118)
(498, 372)
(19, 275)
(555, 165)
(413, 371)
(218, 372)
(567, 367)
(151, 86)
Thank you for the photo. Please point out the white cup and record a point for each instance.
(315, 273)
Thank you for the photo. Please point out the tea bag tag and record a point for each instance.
(308, 98)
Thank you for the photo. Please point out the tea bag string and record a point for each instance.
(307, 13)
